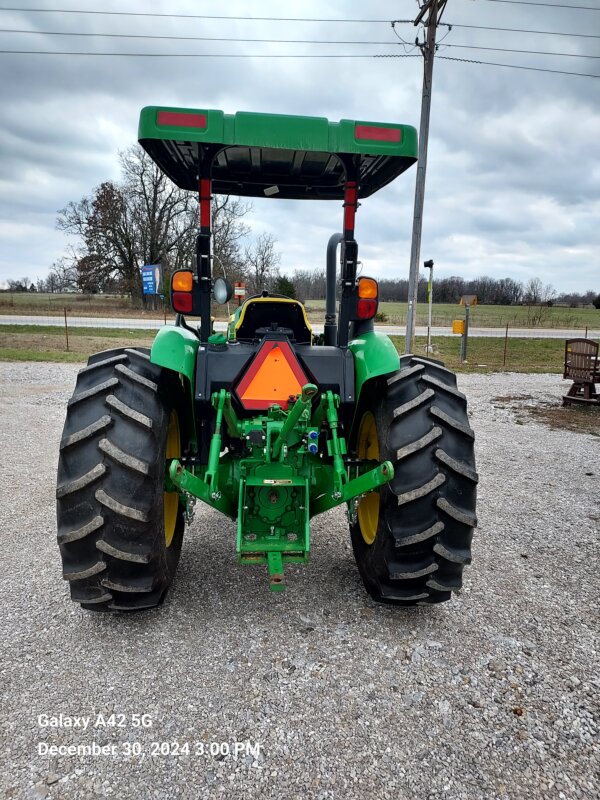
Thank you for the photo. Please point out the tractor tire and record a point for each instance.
(119, 532)
(412, 538)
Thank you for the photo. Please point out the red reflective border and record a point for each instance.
(177, 119)
(259, 358)
(377, 134)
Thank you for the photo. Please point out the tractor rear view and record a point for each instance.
(267, 422)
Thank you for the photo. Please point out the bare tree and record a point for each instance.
(261, 260)
(309, 283)
(104, 232)
(18, 285)
(163, 217)
(146, 219)
(62, 276)
(533, 292)
(228, 234)
(538, 299)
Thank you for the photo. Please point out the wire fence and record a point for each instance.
(77, 318)
(71, 330)
(125, 319)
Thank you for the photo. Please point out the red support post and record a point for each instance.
(350, 206)
(205, 195)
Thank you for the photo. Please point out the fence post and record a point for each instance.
(466, 333)
(586, 330)
(66, 329)
(505, 345)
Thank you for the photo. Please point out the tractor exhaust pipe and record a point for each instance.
(330, 329)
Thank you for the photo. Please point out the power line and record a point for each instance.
(188, 16)
(284, 55)
(520, 66)
(207, 55)
(546, 5)
(282, 41)
(530, 52)
(520, 30)
(194, 38)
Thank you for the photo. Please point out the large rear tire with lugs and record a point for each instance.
(119, 531)
(412, 538)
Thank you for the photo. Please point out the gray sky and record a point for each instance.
(513, 181)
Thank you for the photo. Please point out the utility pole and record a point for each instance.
(434, 10)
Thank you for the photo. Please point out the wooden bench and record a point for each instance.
(583, 368)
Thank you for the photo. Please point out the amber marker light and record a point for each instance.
(182, 281)
(367, 288)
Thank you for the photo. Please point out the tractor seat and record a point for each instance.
(273, 313)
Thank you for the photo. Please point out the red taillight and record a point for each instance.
(179, 119)
(366, 308)
(376, 134)
(182, 302)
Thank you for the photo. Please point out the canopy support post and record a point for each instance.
(349, 248)
(203, 253)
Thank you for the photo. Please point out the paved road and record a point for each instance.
(493, 695)
(392, 330)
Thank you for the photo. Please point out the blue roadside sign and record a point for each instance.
(151, 278)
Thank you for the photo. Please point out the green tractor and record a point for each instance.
(267, 422)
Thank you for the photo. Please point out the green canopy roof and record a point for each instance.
(275, 155)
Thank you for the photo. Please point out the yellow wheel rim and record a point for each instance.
(368, 509)
(171, 499)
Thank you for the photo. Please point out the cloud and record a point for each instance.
(513, 175)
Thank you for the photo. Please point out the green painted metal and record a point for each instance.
(290, 469)
(275, 565)
(279, 525)
(374, 355)
(173, 144)
(336, 446)
(301, 407)
(367, 482)
(176, 348)
(186, 481)
(286, 131)
(211, 476)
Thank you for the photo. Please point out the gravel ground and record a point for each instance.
(494, 695)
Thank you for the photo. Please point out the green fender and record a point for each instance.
(374, 355)
(176, 349)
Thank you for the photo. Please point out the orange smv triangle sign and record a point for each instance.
(274, 375)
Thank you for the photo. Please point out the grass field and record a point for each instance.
(41, 343)
(443, 313)
(83, 305)
(482, 316)
(486, 354)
